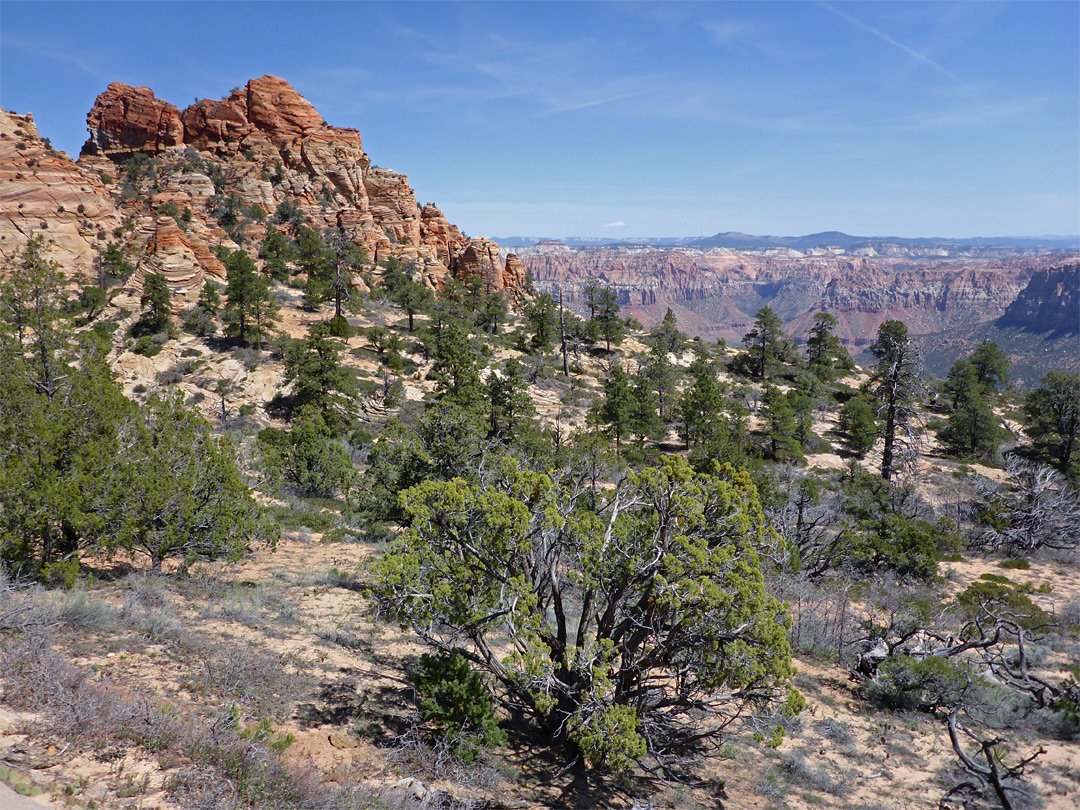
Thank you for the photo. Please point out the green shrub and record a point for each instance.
(147, 347)
(339, 327)
(1020, 565)
(456, 701)
(983, 597)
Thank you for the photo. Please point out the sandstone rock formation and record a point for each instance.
(716, 292)
(481, 257)
(184, 262)
(270, 146)
(44, 192)
(129, 119)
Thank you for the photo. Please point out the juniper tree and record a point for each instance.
(630, 625)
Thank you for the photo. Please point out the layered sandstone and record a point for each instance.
(717, 292)
(272, 147)
(43, 192)
(128, 119)
(184, 262)
(481, 257)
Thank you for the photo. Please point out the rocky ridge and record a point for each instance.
(264, 145)
(716, 292)
(44, 192)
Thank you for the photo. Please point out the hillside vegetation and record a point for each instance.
(288, 519)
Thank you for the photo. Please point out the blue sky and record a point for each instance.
(629, 119)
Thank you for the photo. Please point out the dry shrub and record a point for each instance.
(261, 683)
(227, 772)
(823, 624)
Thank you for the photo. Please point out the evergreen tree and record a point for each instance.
(645, 422)
(701, 403)
(313, 368)
(766, 343)
(895, 385)
(414, 298)
(973, 431)
(542, 315)
(156, 303)
(490, 313)
(111, 266)
(802, 411)
(991, 365)
(331, 273)
(593, 291)
(1053, 419)
(780, 426)
(961, 381)
(824, 353)
(509, 404)
(209, 298)
(605, 323)
(251, 308)
(455, 373)
(179, 492)
(858, 425)
(662, 379)
(643, 625)
(616, 409)
(83, 467)
(307, 457)
(277, 251)
(665, 337)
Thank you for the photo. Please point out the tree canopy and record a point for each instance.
(631, 625)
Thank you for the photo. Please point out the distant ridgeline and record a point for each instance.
(942, 289)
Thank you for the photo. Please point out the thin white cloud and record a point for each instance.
(914, 54)
(618, 224)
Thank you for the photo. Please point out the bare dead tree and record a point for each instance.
(1038, 508)
(986, 766)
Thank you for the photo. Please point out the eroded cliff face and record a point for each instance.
(1049, 303)
(264, 145)
(715, 293)
(43, 192)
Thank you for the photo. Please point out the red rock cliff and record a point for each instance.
(272, 146)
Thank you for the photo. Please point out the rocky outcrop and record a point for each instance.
(436, 233)
(715, 293)
(184, 262)
(514, 273)
(271, 146)
(128, 119)
(44, 192)
(481, 257)
(1049, 303)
